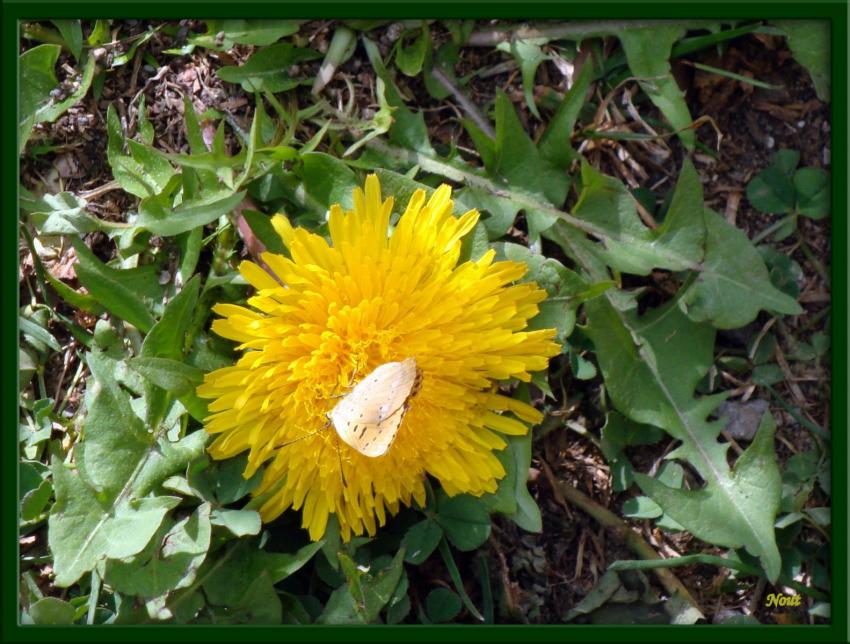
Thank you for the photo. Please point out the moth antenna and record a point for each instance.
(341, 470)
(301, 438)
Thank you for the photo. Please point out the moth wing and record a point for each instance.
(371, 413)
(375, 439)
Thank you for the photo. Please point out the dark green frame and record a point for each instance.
(835, 11)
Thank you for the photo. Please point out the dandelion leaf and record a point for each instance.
(650, 382)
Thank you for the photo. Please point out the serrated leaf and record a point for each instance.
(733, 283)
(518, 163)
(144, 172)
(115, 440)
(641, 360)
(648, 52)
(528, 55)
(677, 244)
(170, 561)
(754, 483)
(372, 591)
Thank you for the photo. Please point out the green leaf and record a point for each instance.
(82, 532)
(240, 523)
(512, 498)
(174, 376)
(563, 285)
(230, 576)
(372, 592)
(442, 605)
(641, 360)
(170, 561)
(809, 41)
(410, 59)
(528, 55)
(222, 482)
(52, 111)
(618, 433)
(35, 501)
(465, 520)
(261, 226)
(37, 332)
(102, 511)
(244, 32)
(37, 77)
(65, 214)
(328, 180)
(813, 197)
(648, 51)
(755, 481)
(772, 189)
(52, 611)
(553, 144)
(420, 540)
(340, 609)
(145, 172)
(186, 216)
(502, 212)
(115, 440)
(267, 69)
(99, 33)
(518, 163)
(167, 338)
(676, 244)
(733, 283)
(641, 507)
(72, 34)
(108, 286)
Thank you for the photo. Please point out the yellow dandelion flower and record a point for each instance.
(330, 315)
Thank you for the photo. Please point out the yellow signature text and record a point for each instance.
(777, 600)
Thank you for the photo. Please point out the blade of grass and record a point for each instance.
(454, 573)
(732, 75)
